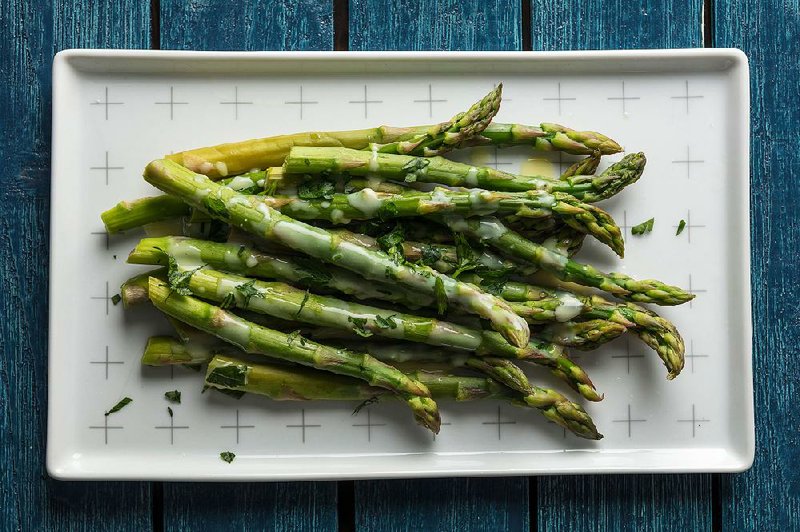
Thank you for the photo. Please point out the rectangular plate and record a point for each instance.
(688, 110)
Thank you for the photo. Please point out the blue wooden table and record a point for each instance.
(765, 498)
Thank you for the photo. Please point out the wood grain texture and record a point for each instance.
(768, 496)
(233, 506)
(616, 24)
(246, 25)
(252, 25)
(472, 504)
(614, 502)
(444, 504)
(435, 25)
(32, 33)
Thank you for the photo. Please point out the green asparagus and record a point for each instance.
(303, 160)
(497, 235)
(367, 204)
(251, 214)
(256, 339)
(286, 383)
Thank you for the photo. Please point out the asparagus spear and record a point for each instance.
(235, 158)
(493, 232)
(256, 339)
(586, 166)
(284, 383)
(245, 260)
(305, 160)
(251, 214)
(131, 214)
(546, 137)
(288, 303)
(367, 204)
(584, 335)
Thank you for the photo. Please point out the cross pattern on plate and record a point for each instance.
(691, 355)
(237, 426)
(236, 102)
(560, 98)
(105, 102)
(369, 424)
(106, 167)
(107, 298)
(629, 420)
(366, 101)
(172, 103)
(107, 362)
(628, 356)
(303, 425)
(688, 161)
(695, 421)
(430, 100)
(693, 290)
(686, 96)
(499, 424)
(301, 102)
(623, 98)
(172, 428)
(106, 427)
(689, 226)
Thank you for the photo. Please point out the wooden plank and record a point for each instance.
(252, 25)
(443, 504)
(246, 25)
(287, 506)
(768, 496)
(661, 502)
(435, 25)
(32, 33)
(616, 24)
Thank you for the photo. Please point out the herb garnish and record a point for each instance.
(359, 326)
(644, 227)
(174, 396)
(119, 406)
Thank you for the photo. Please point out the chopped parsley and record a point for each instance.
(316, 189)
(227, 456)
(313, 273)
(215, 207)
(467, 261)
(232, 375)
(681, 227)
(644, 227)
(359, 326)
(178, 280)
(387, 210)
(385, 323)
(169, 411)
(303, 303)
(493, 281)
(116, 298)
(429, 255)
(174, 396)
(119, 406)
(415, 168)
(372, 400)
(392, 243)
(441, 296)
(228, 301)
(248, 291)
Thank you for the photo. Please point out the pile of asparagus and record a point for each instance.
(362, 266)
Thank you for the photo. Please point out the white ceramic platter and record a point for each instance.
(686, 109)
